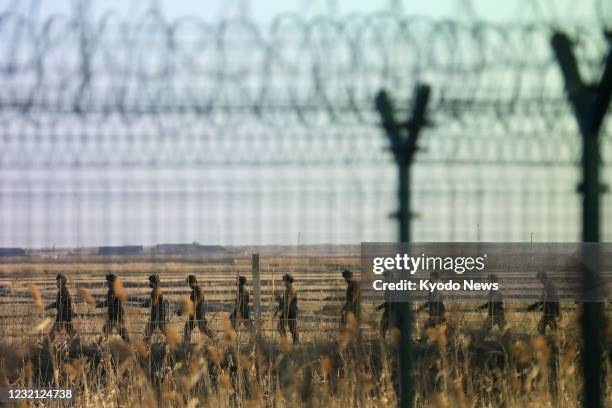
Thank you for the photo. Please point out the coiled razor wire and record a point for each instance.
(283, 118)
(292, 92)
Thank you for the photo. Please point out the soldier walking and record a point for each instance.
(157, 317)
(241, 305)
(549, 303)
(352, 303)
(434, 305)
(495, 307)
(387, 318)
(63, 307)
(198, 317)
(116, 313)
(288, 307)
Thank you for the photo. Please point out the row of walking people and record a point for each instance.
(160, 308)
(286, 307)
(436, 310)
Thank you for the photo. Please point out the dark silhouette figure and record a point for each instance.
(388, 319)
(241, 305)
(352, 303)
(288, 308)
(157, 317)
(495, 307)
(198, 318)
(434, 305)
(115, 318)
(549, 303)
(63, 307)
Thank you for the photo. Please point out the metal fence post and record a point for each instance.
(403, 138)
(590, 104)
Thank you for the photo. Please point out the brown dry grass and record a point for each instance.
(455, 365)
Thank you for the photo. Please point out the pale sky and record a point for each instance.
(263, 11)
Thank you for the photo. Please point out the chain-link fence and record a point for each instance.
(147, 131)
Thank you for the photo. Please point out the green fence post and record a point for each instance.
(403, 138)
(590, 104)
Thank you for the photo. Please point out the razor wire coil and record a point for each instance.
(218, 93)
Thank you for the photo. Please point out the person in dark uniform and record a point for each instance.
(63, 307)
(157, 317)
(288, 308)
(434, 305)
(116, 313)
(495, 307)
(549, 303)
(389, 317)
(241, 305)
(352, 303)
(386, 319)
(198, 317)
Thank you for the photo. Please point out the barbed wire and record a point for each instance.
(295, 91)
(296, 67)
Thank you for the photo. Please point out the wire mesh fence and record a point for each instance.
(148, 131)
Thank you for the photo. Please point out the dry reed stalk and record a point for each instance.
(186, 306)
(43, 325)
(35, 294)
(119, 290)
(86, 296)
(172, 336)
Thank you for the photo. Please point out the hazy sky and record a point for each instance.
(263, 11)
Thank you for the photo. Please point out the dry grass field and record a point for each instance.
(457, 364)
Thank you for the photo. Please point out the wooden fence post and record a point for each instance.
(256, 291)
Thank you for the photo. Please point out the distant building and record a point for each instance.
(120, 250)
(194, 248)
(12, 252)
